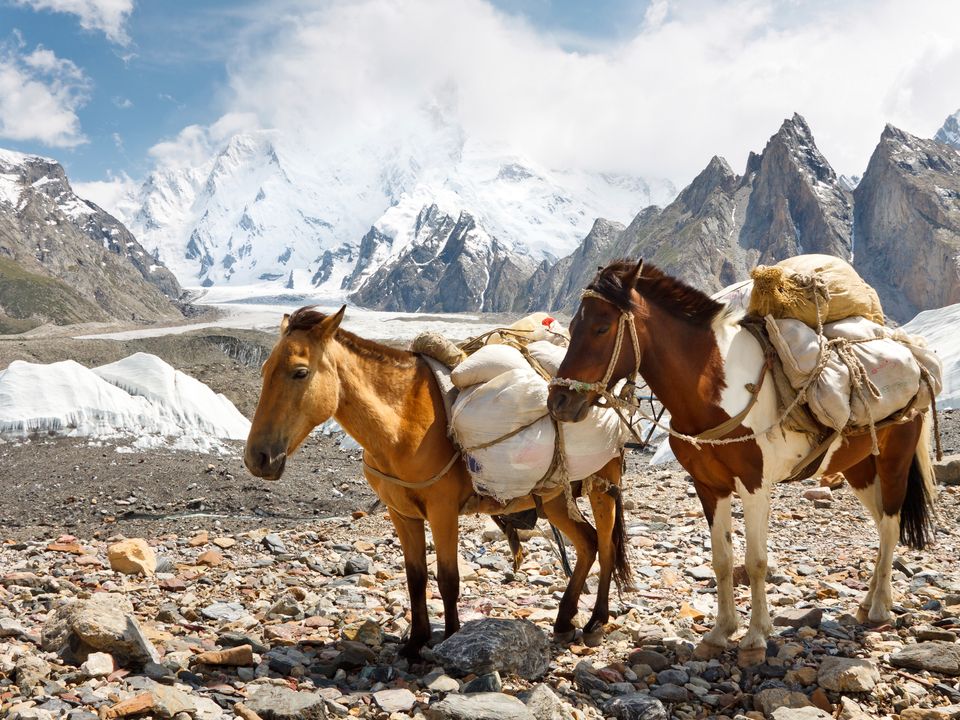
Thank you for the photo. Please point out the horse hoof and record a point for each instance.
(707, 651)
(749, 657)
(566, 637)
(593, 639)
(410, 652)
(863, 615)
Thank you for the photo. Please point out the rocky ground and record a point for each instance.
(249, 614)
(288, 600)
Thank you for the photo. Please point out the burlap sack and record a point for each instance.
(785, 290)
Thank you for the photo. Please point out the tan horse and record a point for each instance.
(390, 403)
(702, 364)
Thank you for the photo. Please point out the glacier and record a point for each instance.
(139, 397)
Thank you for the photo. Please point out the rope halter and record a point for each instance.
(624, 323)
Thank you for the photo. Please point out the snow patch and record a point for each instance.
(140, 396)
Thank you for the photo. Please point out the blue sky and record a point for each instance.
(654, 87)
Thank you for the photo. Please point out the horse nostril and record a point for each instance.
(264, 460)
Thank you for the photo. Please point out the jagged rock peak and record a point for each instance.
(949, 134)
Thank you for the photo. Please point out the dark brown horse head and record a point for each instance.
(593, 333)
(300, 390)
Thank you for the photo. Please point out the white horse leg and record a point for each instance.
(756, 517)
(878, 603)
(721, 542)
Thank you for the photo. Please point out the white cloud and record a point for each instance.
(114, 194)
(122, 102)
(107, 16)
(697, 78)
(41, 94)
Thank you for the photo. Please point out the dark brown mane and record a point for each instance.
(668, 293)
(306, 318)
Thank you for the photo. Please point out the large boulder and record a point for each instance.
(935, 656)
(271, 702)
(103, 623)
(479, 706)
(847, 674)
(509, 646)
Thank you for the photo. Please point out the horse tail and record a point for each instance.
(917, 511)
(622, 572)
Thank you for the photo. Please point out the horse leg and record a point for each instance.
(584, 539)
(603, 502)
(721, 544)
(756, 519)
(413, 543)
(444, 523)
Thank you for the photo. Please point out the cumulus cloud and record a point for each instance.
(116, 193)
(695, 79)
(106, 16)
(41, 94)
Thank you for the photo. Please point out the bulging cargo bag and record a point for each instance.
(795, 287)
(858, 373)
(501, 422)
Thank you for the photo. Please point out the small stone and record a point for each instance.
(31, 671)
(805, 713)
(586, 678)
(818, 493)
(443, 683)
(655, 660)
(356, 565)
(210, 558)
(224, 611)
(235, 656)
(933, 656)
(799, 617)
(98, 664)
(543, 702)
(132, 557)
(272, 702)
(201, 538)
(224, 542)
(671, 693)
(933, 633)
(489, 682)
(635, 706)
(274, 544)
(801, 676)
(944, 712)
(138, 705)
(847, 674)
(947, 470)
(9, 627)
(395, 700)
(481, 706)
(766, 701)
(368, 632)
(509, 646)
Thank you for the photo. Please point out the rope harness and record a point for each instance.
(717, 436)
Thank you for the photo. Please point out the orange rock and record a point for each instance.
(688, 611)
(235, 656)
(132, 557)
(72, 548)
(138, 705)
(210, 558)
(201, 538)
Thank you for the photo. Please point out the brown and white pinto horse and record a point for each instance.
(697, 359)
(389, 401)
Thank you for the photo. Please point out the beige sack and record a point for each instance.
(785, 290)
(549, 356)
(796, 344)
(532, 328)
(486, 363)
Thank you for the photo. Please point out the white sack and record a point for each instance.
(593, 442)
(548, 355)
(891, 367)
(535, 327)
(513, 467)
(796, 344)
(510, 401)
(486, 363)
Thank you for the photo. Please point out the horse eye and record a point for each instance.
(602, 329)
(300, 373)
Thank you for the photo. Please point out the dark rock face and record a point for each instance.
(64, 259)
(507, 646)
(788, 201)
(907, 224)
(451, 265)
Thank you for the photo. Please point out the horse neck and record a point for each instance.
(386, 407)
(682, 365)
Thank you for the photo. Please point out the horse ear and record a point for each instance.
(330, 324)
(284, 324)
(635, 274)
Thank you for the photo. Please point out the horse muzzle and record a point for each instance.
(565, 405)
(266, 463)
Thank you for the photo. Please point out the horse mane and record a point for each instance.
(667, 292)
(306, 318)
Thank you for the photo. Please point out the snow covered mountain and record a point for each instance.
(64, 260)
(950, 132)
(263, 210)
